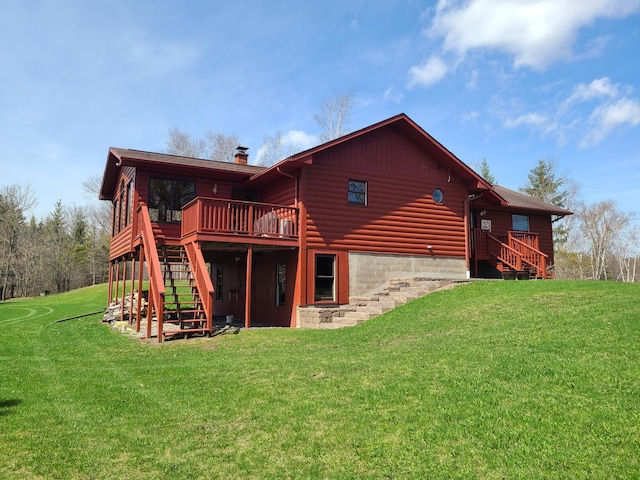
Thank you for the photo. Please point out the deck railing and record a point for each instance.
(211, 216)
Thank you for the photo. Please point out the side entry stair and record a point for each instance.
(184, 312)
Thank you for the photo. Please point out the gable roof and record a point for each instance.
(521, 201)
(119, 157)
(407, 127)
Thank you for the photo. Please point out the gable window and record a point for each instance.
(325, 278)
(357, 192)
(520, 223)
(166, 198)
(281, 284)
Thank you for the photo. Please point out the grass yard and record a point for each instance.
(489, 380)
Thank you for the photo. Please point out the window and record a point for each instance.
(357, 192)
(166, 198)
(325, 278)
(127, 213)
(281, 284)
(116, 215)
(219, 284)
(438, 196)
(520, 223)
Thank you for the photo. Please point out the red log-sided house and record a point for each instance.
(331, 222)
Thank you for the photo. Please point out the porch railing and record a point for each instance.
(516, 250)
(530, 255)
(503, 252)
(209, 215)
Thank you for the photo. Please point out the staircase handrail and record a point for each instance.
(531, 256)
(504, 253)
(157, 290)
(203, 282)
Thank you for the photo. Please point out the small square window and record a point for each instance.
(357, 192)
(520, 223)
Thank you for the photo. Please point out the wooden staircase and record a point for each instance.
(517, 257)
(184, 312)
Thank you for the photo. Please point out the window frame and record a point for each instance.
(281, 284)
(353, 194)
(324, 277)
(521, 218)
(172, 213)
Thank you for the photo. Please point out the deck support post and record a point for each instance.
(140, 272)
(247, 300)
(124, 290)
(115, 297)
(133, 285)
(109, 297)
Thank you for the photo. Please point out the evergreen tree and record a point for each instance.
(486, 173)
(545, 184)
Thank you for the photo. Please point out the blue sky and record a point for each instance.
(506, 80)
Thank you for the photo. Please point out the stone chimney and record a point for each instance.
(242, 157)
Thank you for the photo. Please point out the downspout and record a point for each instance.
(299, 281)
(295, 180)
(467, 230)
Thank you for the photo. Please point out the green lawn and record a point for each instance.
(491, 380)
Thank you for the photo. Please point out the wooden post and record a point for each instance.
(247, 300)
(140, 272)
(110, 283)
(124, 290)
(115, 297)
(133, 284)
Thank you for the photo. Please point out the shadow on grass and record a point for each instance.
(5, 406)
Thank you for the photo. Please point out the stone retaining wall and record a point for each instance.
(368, 271)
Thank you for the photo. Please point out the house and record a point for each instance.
(329, 223)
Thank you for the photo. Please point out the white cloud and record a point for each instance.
(535, 33)
(300, 139)
(599, 88)
(608, 117)
(389, 95)
(469, 116)
(534, 119)
(429, 73)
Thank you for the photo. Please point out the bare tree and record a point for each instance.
(181, 143)
(276, 148)
(15, 200)
(221, 147)
(602, 224)
(334, 115)
(626, 251)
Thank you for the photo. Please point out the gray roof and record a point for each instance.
(521, 201)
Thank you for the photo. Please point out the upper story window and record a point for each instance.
(520, 223)
(357, 192)
(166, 198)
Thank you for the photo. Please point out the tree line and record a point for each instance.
(67, 249)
